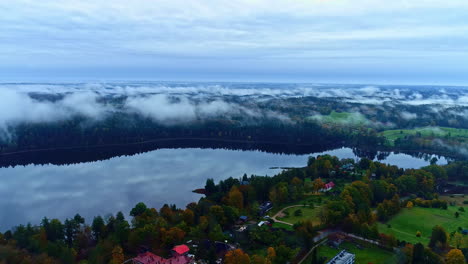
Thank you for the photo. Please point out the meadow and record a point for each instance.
(409, 221)
(308, 213)
(392, 135)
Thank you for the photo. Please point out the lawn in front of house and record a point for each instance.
(364, 254)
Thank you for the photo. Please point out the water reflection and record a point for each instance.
(117, 184)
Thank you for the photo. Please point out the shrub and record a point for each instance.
(418, 234)
(461, 209)
(298, 212)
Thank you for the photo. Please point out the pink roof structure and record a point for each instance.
(181, 249)
(150, 258)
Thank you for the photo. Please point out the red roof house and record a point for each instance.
(180, 250)
(328, 187)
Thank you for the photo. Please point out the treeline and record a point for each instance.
(79, 139)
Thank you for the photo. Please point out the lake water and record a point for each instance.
(157, 177)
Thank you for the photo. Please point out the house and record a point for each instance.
(243, 218)
(328, 187)
(179, 256)
(344, 257)
(180, 250)
(265, 207)
(150, 258)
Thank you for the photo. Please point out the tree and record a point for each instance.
(117, 255)
(438, 237)
(318, 184)
(418, 254)
(237, 256)
(298, 212)
(54, 230)
(98, 227)
(256, 259)
(455, 256)
(458, 240)
(305, 230)
(284, 254)
(409, 205)
(210, 187)
(271, 253)
(235, 198)
(139, 209)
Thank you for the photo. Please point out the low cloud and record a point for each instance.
(408, 115)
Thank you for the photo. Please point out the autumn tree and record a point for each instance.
(117, 255)
(235, 198)
(318, 184)
(236, 256)
(455, 256)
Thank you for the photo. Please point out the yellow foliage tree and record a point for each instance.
(409, 205)
(271, 253)
(235, 198)
(455, 256)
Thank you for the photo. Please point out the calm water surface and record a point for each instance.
(162, 176)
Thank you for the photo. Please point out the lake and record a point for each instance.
(157, 177)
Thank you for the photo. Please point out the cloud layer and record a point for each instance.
(353, 40)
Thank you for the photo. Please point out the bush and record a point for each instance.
(298, 212)
(461, 209)
(465, 202)
(457, 214)
(389, 226)
(418, 234)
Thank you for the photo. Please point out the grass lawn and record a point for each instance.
(406, 223)
(307, 200)
(363, 255)
(392, 135)
(308, 213)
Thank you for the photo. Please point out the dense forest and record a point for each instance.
(112, 125)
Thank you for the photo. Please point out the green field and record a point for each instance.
(343, 118)
(406, 223)
(392, 135)
(363, 255)
(308, 213)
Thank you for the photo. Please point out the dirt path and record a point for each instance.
(281, 214)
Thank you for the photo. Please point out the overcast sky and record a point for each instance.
(363, 41)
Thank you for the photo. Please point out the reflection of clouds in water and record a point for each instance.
(157, 177)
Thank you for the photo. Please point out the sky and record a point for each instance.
(325, 41)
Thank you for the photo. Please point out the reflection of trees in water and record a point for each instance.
(87, 154)
(98, 153)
